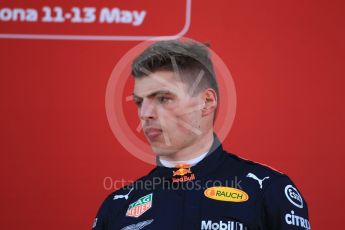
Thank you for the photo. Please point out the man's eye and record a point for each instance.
(164, 99)
(138, 103)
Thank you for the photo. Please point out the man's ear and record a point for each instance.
(209, 97)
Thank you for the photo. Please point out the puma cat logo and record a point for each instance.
(253, 176)
(123, 196)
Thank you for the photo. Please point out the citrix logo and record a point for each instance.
(292, 219)
(229, 225)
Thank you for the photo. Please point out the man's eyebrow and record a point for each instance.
(153, 94)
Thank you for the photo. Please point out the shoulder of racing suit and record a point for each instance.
(278, 203)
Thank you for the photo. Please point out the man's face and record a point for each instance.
(169, 114)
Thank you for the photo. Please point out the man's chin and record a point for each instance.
(162, 150)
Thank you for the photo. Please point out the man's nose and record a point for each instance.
(147, 110)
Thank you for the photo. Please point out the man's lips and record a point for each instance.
(152, 132)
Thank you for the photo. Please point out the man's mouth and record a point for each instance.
(152, 133)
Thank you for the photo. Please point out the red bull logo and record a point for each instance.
(183, 174)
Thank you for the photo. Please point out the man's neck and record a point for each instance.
(202, 145)
(192, 162)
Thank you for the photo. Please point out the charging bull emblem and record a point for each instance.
(183, 170)
(183, 174)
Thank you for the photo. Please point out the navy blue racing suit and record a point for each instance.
(222, 191)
